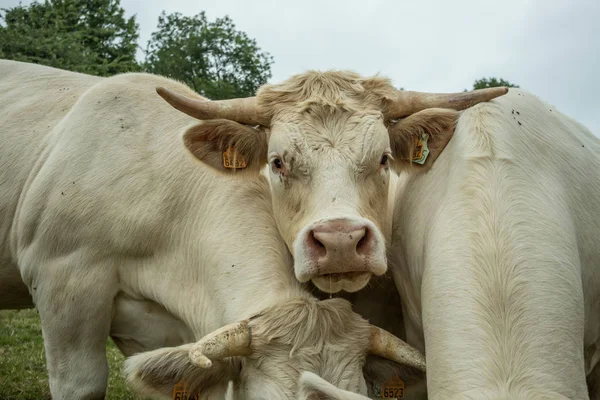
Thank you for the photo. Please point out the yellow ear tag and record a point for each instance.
(233, 159)
(421, 150)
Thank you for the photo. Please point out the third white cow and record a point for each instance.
(496, 254)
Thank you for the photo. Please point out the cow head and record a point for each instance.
(264, 357)
(329, 139)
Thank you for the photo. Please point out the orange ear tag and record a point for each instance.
(392, 389)
(180, 392)
(233, 159)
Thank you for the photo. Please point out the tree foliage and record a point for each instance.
(484, 83)
(213, 58)
(89, 36)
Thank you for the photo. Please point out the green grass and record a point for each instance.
(23, 373)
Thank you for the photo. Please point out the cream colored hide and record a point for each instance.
(326, 335)
(116, 230)
(330, 139)
(496, 255)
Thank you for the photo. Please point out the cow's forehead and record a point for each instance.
(329, 90)
(356, 136)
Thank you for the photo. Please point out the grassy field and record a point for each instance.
(22, 361)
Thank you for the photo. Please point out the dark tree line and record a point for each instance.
(92, 37)
(95, 37)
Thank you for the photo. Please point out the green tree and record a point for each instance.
(213, 58)
(89, 36)
(484, 83)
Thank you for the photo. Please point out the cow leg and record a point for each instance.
(75, 306)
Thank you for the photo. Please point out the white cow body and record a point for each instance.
(108, 218)
(496, 254)
(89, 221)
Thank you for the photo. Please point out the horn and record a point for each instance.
(386, 345)
(408, 102)
(244, 110)
(228, 341)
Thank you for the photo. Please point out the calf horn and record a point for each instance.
(408, 102)
(386, 345)
(244, 110)
(228, 341)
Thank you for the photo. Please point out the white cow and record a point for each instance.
(329, 139)
(115, 230)
(496, 255)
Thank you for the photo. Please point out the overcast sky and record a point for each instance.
(549, 47)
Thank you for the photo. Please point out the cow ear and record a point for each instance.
(379, 372)
(419, 139)
(228, 146)
(163, 371)
(313, 387)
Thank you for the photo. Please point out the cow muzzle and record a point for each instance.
(340, 254)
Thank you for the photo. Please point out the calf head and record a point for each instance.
(264, 357)
(330, 139)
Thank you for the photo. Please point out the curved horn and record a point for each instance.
(228, 341)
(386, 345)
(244, 111)
(408, 102)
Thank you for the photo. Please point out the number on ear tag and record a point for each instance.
(180, 392)
(233, 159)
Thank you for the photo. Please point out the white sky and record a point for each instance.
(549, 47)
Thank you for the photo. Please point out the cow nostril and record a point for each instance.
(315, 240)
(363, 245)
(318, 247)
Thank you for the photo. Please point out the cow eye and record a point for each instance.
(277, 163)
(384, 159)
